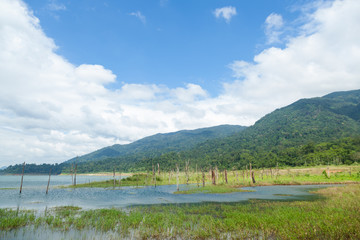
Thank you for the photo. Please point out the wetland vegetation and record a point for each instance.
(334, 216)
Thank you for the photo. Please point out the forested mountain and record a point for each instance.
(308, 132)
(161, 143)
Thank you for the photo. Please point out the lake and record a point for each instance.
(34, 187)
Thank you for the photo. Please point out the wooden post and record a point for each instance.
(177, 177)
(253, 177)
(243, 173)
(22, 177)
(213, 177)
(250, 171)
(114, 176)
(158, 169)
(47, 188)
(203, 178)
(72, 173)
(153, 173)
(75, 175)
(120, 179)
(216, 174)
(226, 180)
(187, 171)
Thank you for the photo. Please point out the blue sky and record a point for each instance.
(76, 76)
(175, 43)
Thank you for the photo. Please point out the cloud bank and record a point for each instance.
(52, 110)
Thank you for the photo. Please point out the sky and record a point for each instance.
(76, 76)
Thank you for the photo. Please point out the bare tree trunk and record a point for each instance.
(226, 179)
(213, 177)
(177, 177)
(247, 172)
(243, 173)
(22, 177)
(169, 176)
(114, 176)
(203, 178)
(120, 179)
(253, 177)
(250, 172)
(75, 175)
(216, 174)
(72, 174)
(47, 188)
(187, 171)
(158, 169)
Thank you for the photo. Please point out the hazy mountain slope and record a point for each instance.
(155, 145)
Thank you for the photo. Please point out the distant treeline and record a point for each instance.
(343, 151)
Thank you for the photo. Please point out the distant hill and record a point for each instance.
(161, 143)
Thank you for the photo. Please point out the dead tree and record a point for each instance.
(114, 176)
(226, 179)
(203, 178)
(158, 169)
(177, 177)
(75, 175)
(47, 188)
(22, 177)
(213, 177)
(253, 177)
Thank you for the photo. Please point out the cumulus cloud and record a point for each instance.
(139, 15)
(273, 25)
(310, 65)
(225, 12)
(52, 110)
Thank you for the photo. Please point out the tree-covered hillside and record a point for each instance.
(160, 143)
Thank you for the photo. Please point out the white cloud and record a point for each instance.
(225, 12)
(52, 110)
(273, 25)
(139, 15)
(310, 65)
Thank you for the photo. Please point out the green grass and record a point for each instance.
(335, 216)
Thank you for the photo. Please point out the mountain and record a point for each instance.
(309, 131)
(161, 143)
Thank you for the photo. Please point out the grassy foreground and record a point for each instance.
(336, 216)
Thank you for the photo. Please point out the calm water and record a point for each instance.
(33, 194)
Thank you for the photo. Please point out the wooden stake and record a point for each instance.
(226, 180)
(203, 178)
(177, 177)
(114, 176)
(253, 177)
(47, 188)
(120, 179)
(213, 177)
(72, 174)
(75, 175)
(22, 177)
